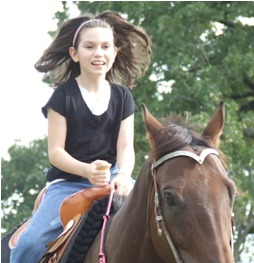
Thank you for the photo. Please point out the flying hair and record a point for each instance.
(132, 42)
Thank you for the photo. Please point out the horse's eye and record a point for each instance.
(169, 199)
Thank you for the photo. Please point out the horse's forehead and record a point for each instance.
(182, 171)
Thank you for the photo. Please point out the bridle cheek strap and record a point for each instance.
(161, 226)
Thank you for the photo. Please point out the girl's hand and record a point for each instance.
(123, 184)
(99, 173)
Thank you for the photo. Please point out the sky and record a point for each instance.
(24, 37)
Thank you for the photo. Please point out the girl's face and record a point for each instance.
(96, 51)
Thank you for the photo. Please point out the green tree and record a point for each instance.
(22, 178)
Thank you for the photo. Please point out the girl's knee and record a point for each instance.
(29, 249)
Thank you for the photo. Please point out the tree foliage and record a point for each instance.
(203, 53)
(22, 178)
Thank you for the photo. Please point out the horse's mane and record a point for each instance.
(177, 133)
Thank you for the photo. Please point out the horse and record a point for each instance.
(180, 208)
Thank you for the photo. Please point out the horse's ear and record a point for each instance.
(214, 128)
(152, 125)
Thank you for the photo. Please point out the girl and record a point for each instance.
(90, 116)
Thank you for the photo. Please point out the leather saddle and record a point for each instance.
(71, 208)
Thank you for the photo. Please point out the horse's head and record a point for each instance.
(195, 195)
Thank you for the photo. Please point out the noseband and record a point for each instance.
(161, 226)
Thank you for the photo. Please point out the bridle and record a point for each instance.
(161, 226)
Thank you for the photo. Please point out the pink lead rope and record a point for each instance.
(102, 257)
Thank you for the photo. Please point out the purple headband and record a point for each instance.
(79, 28)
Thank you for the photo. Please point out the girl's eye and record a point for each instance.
(88, 46)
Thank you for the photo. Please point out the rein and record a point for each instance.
(102, 257)
(161, 226)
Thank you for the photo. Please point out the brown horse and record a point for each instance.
(181, 205)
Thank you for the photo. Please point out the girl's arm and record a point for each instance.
(125, 157)
(57, 130)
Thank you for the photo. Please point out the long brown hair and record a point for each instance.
(132, 60)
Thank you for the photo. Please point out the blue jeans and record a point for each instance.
(46, 225)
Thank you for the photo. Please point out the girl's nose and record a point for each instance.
(98, 51)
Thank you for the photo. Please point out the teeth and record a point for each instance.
(98, 63)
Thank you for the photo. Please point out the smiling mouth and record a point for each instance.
(98, 63)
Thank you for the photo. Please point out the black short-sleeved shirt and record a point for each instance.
(89, 137)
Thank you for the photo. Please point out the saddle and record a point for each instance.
(71, 210)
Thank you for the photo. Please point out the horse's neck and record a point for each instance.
(129, 233)
(133, 213)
